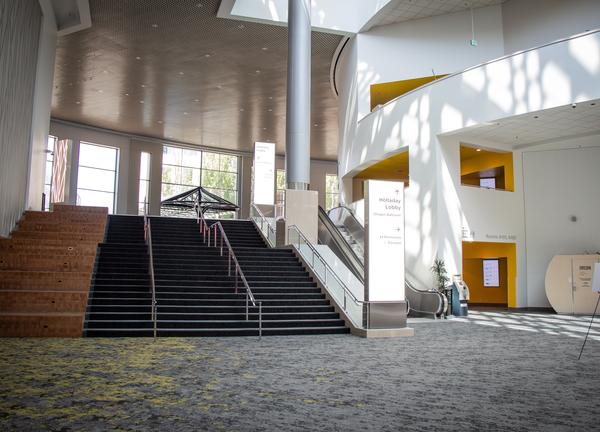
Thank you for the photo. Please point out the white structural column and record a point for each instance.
(297, 146)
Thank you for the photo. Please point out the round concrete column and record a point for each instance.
(297, 145)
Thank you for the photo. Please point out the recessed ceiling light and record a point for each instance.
(126, 94)
(264, 128)
(77, 102)
(207, 55)
(155, 25)
(316, 125)
(160, 121)
(241, 109)
(265, 48)
(185, 113)
(270, 97)
(100, 91)
(196, 100)
(257, 71)
(478, 150)
(270, 110)
(241, 26)
(141, 102)
(219, 86)
(143, 85)
(138, 58)
(181, 73)
(105, 71)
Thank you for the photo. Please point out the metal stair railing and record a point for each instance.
(205, 230)
(148, 239)
(263, 224)
(357, 311)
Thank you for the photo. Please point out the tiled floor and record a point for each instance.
(491, 371)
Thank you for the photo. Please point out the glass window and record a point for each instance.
(180, 170)
(144, 186)
(332, 196)
(97, 176)
(185, 169)
(280, 186)
(48, 178)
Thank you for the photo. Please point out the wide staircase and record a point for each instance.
(196, 291)
(120, 301)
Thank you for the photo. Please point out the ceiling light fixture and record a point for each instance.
(155, 25)
(141, 102)
(241, 26)
(181, 73)
(207, 55)
(196, 100)
(478, 149)
(138, 58)
(77, 102)
(265, 49)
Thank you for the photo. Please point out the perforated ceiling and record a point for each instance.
(172, 69)
(404, 10)
(537, 127)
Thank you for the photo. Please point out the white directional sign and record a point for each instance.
(264, 173)
(384, 222)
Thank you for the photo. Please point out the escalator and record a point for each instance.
(344, 234)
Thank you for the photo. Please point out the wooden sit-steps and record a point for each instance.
(45, 271)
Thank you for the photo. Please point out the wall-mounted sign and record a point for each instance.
(264, 174)
(491, 273)
(384, 241)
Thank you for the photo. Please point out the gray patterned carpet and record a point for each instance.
(490, 372)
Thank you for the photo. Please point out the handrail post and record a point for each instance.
(228, 262)
(246, 305)
(259, 320)
(221, 245)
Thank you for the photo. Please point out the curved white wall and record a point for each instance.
(437, 206)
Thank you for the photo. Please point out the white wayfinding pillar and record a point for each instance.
(263, 188)
(384, 254)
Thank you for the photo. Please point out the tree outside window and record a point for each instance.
(332, 195)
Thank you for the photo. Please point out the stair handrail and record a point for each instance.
(364, 304)
(148, 239)
(204, 230)
(263, 220)
(238, 270)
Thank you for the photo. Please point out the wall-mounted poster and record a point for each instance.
(491, 273)
(264, 174)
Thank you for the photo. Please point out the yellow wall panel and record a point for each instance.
(474, 252)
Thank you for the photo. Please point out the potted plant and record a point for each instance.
(440, 273)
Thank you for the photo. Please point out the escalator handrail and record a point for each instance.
(348, 210)
(342, 243)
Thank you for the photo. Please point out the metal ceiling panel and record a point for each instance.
(170, 69)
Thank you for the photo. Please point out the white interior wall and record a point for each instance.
(412, 49)
(560, 180)
(552, 76)
(530, 23)
(42, 101)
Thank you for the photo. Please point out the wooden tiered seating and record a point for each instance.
(45, 271)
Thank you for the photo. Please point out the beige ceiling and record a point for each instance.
(405, 10)
(538, 127)
(171, 69)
